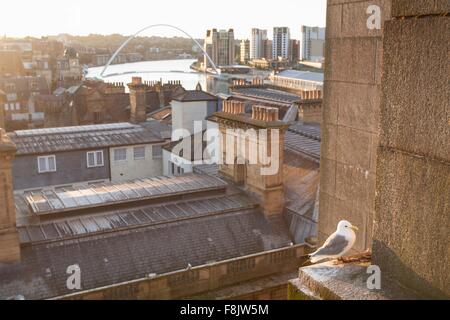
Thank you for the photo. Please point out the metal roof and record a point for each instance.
(44, 141)
(302, 75)
(133, 218)
(267, 94)
(104, 194)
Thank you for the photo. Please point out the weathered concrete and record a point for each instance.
(350, 127)
(411, 227)
(327, 281)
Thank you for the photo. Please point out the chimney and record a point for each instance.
(245, 138)
(9, 237)
(263, 113)
(138, 112)
(233, 107)
(2, 109)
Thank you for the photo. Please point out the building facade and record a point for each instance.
(219, 44)
(245, 51)
(56, 157)
(258, 43)
(281, 42)
(19, 108)
(312, 43)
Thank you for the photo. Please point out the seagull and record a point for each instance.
(338, 244)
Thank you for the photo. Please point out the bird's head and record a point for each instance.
(344, 225)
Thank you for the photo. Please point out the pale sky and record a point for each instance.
(81, 17)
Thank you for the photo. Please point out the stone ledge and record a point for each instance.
(327, 281)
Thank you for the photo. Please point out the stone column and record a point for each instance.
(351, 117)
(412, 220)
(9, 238)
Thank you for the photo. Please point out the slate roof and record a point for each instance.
(44, 141)
(304, 139)
(131, 254)
(194, 95)
(269, 95)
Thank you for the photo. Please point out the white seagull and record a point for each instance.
(338, 244)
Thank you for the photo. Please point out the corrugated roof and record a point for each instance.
(44, 141)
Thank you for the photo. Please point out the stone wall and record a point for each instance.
(350, 127)
(412, 220)
(203, 279)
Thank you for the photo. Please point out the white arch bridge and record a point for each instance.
(150, 27)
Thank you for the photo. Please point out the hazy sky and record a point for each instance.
(50, 17)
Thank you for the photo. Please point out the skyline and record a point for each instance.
(85, 17)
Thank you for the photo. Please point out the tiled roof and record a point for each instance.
(44, 141)
(132, 254)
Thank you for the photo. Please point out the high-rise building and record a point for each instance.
(312, 43)
(257, 43)
(280, 45)
(220, 47)
(294, 51)
(245, 51)
(268, 55)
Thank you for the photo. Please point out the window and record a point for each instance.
(120, 154)
(47, 164)
(139, 153)
(17, 106)
(6, 106)
(157, 152)
(95, 159)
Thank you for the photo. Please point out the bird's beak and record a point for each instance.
(354, 228)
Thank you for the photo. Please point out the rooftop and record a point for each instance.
(302, 75)
(271, 95)
(195, 95)
(47, 202)
(42, 141)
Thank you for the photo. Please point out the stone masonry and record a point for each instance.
(350, 127)
(412, 220)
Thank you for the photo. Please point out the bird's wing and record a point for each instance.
(334, 245)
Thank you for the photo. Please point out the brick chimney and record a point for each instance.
(2, 109)
(9, 237)
(264, 113)
(138, 112)
(233, 107)
(249, 135)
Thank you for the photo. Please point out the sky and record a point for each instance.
(81, 17)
